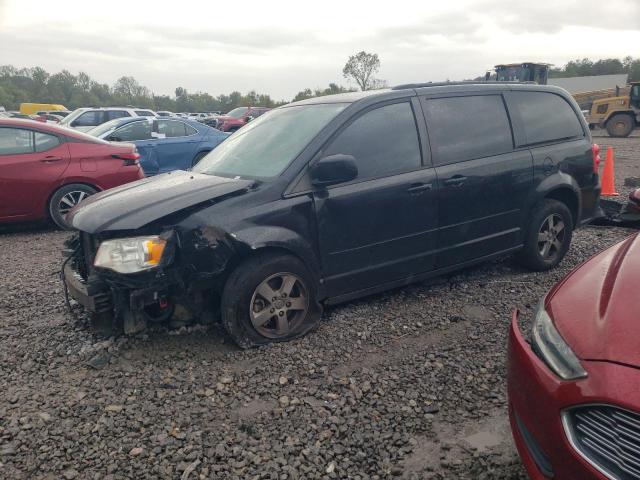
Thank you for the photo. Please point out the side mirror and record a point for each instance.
(334, 169)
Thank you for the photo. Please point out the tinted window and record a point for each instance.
(89, 119)
(45, 141)
(383, 141)
(111, 114)
(145, 113)
(463, 128)
(190, 130)
(171, 128)
(15, 141)
(546, 117)
(132, 131)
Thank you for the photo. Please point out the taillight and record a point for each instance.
(130, 158)
(595, 156)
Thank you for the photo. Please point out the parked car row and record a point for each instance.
(165, 143)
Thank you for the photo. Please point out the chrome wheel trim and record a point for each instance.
(279, 305)
(70, 200)
(551, 237)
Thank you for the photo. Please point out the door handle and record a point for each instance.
(419, 187)
(455, 181)
(50, 159)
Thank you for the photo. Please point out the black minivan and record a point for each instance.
(337, 197)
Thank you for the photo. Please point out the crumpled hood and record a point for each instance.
(597, 308)
(136, 204)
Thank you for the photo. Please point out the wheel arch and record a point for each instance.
(569, 197)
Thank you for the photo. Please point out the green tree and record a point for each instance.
(361, 67)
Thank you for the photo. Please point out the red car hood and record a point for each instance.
(596, 308)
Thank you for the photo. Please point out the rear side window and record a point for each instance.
(113, 114)
(546, 117)
(91, 118)
(14, 141)
(464, 128)
(45, 142)
(132, 131)
(383, 141)
(171, 128)
(144, 113)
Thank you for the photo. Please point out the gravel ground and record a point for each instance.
(407, 384)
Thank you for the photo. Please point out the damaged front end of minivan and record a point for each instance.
(130, 270)
(130, 282)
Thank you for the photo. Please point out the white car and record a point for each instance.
(84, 119)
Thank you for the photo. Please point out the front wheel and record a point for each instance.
(64, 199)
(620, 125)
(269, 298)
(548, 237)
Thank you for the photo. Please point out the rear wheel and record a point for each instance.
(64, 199)
(548, 237)
(269, 298)
(620, 125)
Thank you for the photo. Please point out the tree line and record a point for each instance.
(36, 85)
(18, 85)
(606, 66)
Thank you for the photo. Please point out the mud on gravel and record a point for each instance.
(407, 384)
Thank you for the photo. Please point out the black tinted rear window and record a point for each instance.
(546, 117)
(463, 128)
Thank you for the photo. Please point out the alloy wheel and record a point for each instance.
(70, 200)
(551, 237)
(279, 305)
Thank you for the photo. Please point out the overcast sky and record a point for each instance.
(281, 47)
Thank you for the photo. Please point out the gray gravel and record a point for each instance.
(405, 384)
(408, 384)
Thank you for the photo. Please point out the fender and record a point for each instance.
(258, 237)
(553, 183)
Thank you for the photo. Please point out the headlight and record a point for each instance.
(130, 255)
(552, 349)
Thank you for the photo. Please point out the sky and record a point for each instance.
(281, 47)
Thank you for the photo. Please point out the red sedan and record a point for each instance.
(45, 170)
(574, 392)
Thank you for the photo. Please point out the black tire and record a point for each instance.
(234, 129)
(242, 304)
(197, 158)
(61, 200)
(539, 235)
(620, 125)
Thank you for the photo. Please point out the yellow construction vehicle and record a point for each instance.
(619, 115)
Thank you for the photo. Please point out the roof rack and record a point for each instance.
(444, 84)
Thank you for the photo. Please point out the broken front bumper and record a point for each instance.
(92, 295)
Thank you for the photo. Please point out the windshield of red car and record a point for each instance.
(238, 112)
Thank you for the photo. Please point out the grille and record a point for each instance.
(608, 438)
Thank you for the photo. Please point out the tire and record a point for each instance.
(197, 158)
(620, 125)
(251, 318)
(545, 247)
(234, 129)
(66, 198)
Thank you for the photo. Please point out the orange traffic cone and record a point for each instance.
(608, 184)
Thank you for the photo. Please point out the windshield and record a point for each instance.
(267, 145)
(104, 128)
(238, 112)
